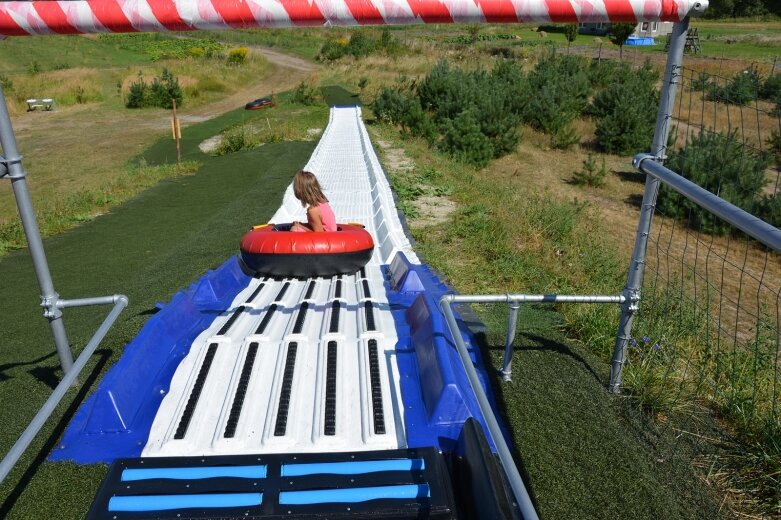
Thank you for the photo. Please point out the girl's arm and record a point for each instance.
(315, 218)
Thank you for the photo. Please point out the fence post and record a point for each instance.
(49, 297)
(634, 279)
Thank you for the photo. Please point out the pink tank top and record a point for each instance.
(327, 214)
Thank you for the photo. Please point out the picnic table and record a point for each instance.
(44, 104)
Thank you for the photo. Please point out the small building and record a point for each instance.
(645, 32)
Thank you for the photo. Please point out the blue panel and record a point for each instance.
(190, 473)
(352, 495)
(168, 502)
(353, 468)
(435, 389)
(115, 421)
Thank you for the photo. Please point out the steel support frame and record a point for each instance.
(11, 168)
(634, 281)
(514, 300)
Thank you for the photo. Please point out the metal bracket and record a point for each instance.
(51, 308)
(5, 170)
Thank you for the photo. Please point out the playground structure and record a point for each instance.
(392, 242)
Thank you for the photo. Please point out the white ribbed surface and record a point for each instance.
(352, 179)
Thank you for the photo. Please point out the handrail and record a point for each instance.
(12, 457)
(746, 222)
(508, 464)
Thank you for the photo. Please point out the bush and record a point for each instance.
(625, 114)
(237, 56)
(6, 83)
(742, 89)
(305, 93)
(164, 89)
(332, 50)
(161, 93)
(590, 174)
(463, 140)
(771, 89)
(360, 45)
(722, 165)
(561, 89)
(136, 97)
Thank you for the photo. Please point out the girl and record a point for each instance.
(319, 215)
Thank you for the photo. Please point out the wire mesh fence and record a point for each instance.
(705, 346)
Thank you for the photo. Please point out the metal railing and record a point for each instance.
(514, 300)
(11, 168)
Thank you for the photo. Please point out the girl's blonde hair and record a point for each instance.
(307, 189)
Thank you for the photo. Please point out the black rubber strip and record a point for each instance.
(300, 318)
(310, 290)
(255, 293)
(228, 324)
(330, 390)
(335, 308)
(363, 272)
(287, 387)
(366, 292)
(338, 289)
(282, 292)
(374, 376)
(266, 319)
(369, 316)
(195, 394)
(241, 391)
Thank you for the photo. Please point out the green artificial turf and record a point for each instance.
(148, 248)
(581, 452)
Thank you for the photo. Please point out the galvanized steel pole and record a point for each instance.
(49, 297)
(634, 281)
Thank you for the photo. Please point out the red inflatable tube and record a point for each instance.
(274, 250)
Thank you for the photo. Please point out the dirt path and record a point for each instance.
(98, 140)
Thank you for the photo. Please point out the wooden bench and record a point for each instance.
(44, 104)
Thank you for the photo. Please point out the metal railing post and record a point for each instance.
(634, 280)
(508, 345)
(49, 297)
(120, 301)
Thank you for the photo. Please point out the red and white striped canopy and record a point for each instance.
(99, 16)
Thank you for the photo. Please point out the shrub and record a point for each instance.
(305, 93)
(237, 56)
(233, 140)
(774, 145)
(196, 52)
(164, 89)
(625, 115)
(722, 165)
(561, 88)
(741, 89)
(590, 174)
(161, 93)
(136, 97)
(33, 68)
(463, 139)
(360, 45)
(332, 50)
(604, 72)
(771, 89)
(701, 82)
(6, 83)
